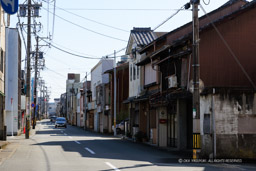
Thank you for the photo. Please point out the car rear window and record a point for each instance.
(61, 119)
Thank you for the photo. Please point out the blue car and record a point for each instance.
(61, 122)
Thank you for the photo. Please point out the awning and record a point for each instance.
(129, 100)
(147, 59)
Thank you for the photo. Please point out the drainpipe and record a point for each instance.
(213, 125)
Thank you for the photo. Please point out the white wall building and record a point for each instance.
(97, 78)
(12, 92)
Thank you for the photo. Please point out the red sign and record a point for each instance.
(162, 121)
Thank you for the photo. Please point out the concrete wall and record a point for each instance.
(51, 109)
(98, 77)
(11, 84)
(134, 85)
(106, 65)
(182, 124)
(235, 120)
(162, 127)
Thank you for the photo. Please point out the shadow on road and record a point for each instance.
(109, 147)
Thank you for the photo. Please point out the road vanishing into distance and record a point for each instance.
(74, 149)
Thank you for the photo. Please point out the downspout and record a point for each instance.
(213, 125)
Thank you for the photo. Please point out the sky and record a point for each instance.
(97, 28)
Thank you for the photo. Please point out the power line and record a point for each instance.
(178, 10)
(53, 22)
(169, 18)
(72, 50)
(55, 72)
(119, 9)
(81, 56)
(48, 18)
(86, 28)
(90, 19)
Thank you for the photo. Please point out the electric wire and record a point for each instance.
(104, 35)
(119, 9)
(53, 22)
(229, 49)
(55, 72)
(81, 56)
(169, 18)
(182, 8)
(72, 49)
(207, 3)
(90, 19)
(48, 17)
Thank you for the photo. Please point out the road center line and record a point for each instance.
(77, 142)
(92, 152)
(112, 166)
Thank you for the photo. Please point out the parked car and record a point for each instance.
(120, 127)
(61, 122)
(53, 118)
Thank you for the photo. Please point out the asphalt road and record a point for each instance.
(73, 149)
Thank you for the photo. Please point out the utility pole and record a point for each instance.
(28, 71)
(196, 77)
(35, 84)
(40, 100)
(43, 106)
(85, 103)
(114, 93)
(46, 96)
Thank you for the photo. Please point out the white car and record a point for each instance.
(61, 122)
(120, 126)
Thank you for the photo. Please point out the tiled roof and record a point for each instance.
(143, 36)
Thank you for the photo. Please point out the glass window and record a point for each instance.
(134, 72)
(131, 73)
(138, 72)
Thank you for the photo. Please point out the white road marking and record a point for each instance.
(65, 134)
(92, 152)
(112, 166)
(77, 142)
(70, 137)
(61, 131)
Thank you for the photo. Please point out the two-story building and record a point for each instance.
(71, 96)
(98, 81)
(13, 81)
(2, 73)
(139, 38)
(227, 85)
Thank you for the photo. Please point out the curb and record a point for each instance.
(3, 144)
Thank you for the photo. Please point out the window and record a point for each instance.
(94, 89)
(131, 73)
(138, 72)
(134, 72)
(2, 61)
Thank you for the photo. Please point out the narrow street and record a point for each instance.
(75, 149)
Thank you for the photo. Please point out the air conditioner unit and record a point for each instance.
(172, 81)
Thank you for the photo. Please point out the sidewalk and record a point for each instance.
(8, 148)
(3, 144)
